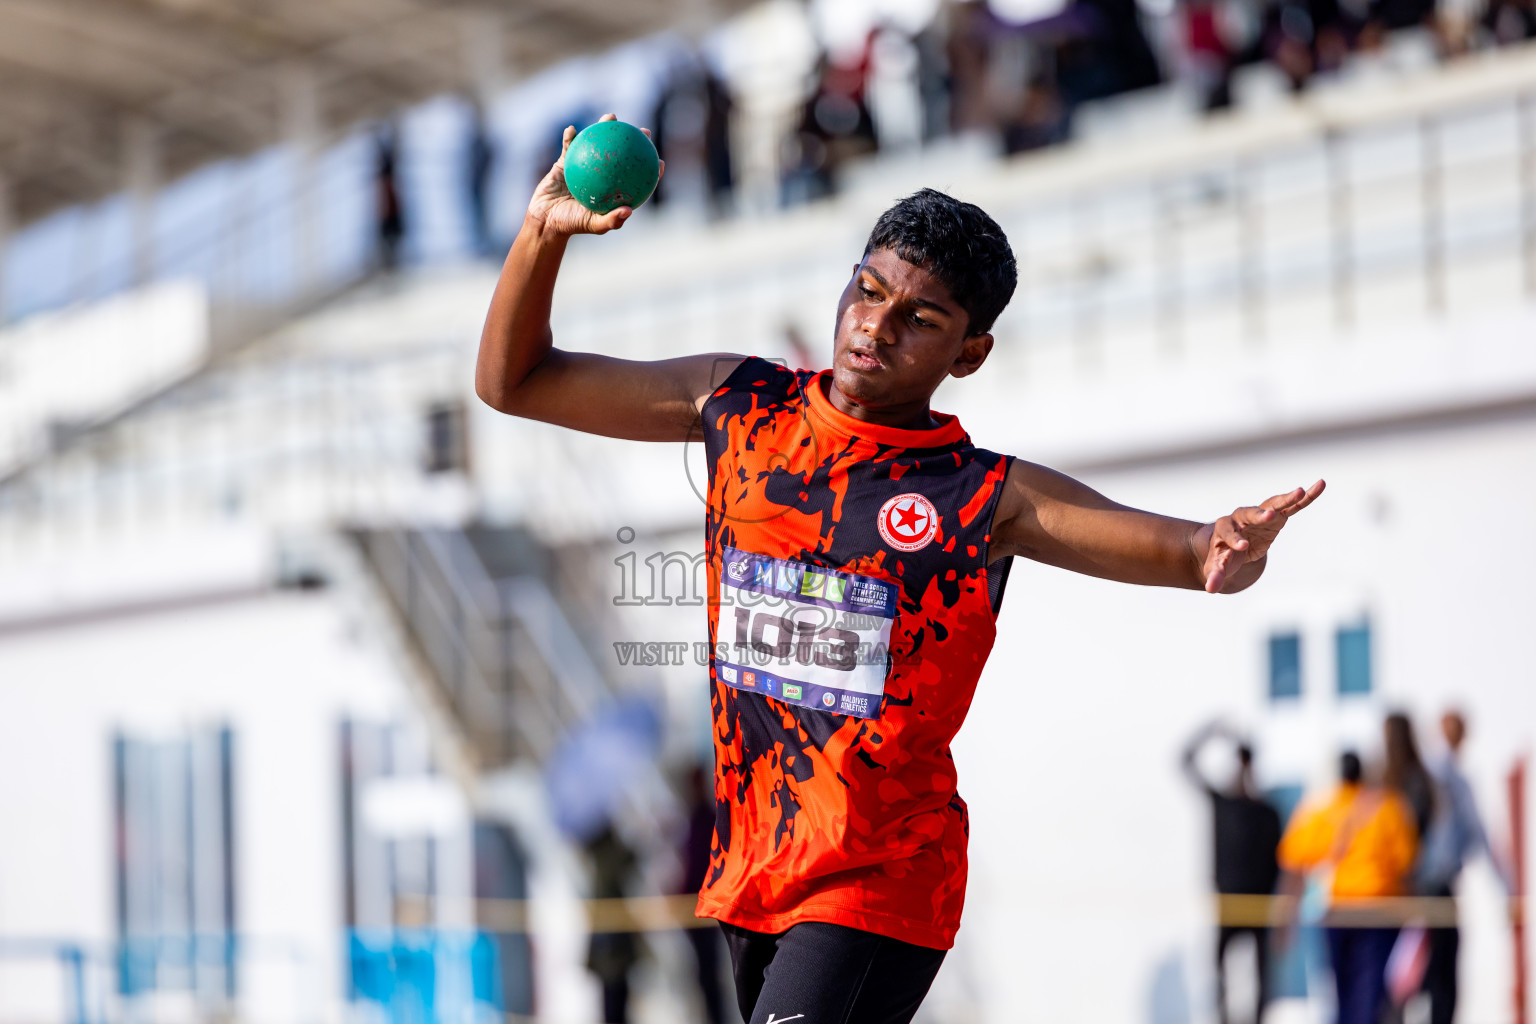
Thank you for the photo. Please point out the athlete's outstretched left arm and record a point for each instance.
(1047, 516)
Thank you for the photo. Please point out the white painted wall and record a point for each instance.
(282, 669)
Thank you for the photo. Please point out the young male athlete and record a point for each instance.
(857, 543)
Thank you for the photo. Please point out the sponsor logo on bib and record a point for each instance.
(908, 522)
(739, 569)
(828, 699)
(864, 594)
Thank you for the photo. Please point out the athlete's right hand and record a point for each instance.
(557, 212)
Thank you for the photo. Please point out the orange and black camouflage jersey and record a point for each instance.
(852, 606)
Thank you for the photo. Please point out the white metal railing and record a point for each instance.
(1342, 212)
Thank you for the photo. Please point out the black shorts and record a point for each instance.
(819, 973)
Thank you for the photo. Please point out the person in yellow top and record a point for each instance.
(1366, 835)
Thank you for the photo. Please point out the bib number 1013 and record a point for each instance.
(804, 642)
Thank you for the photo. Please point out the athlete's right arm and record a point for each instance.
(519, 371)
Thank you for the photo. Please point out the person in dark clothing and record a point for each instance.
(501, 873)
(1120, 47)
(1039, 119)
(1510, 21)
(933, 78)
(1209, 54)
(1399, 14)
(390, 217)
(611, 955)
(707, 942)
(480, 160)
(1247, 836)
(835, 126)
(1405, 771)
(718, 171)
(692, 119)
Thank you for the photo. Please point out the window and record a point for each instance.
(1352, 645)
(1284, 666)
(173, 805)
(447, 448)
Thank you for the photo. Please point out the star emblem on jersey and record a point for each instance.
(908, 522)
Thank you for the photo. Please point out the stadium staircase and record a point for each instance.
(504, 658)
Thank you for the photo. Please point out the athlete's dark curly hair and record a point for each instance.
(957, 243)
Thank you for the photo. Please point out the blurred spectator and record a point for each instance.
(1405, 771)
(807, 160)
(894, 89)
(1039, 120)
(708, 945)
(1121, 45)
(1455, 833)
(718, 171)
(390, 222)
(611, 955)
(1246, 836)
(1397, 14)
(969, 70)
(480, 160)
(1365, 836)
(501, 873)
(1510, 21)
(1290, 44)
(971, 28)
(835, 126)
(661, 134)
(1304, 37)
(1209, 57)
(1089, 50)
(933, 77)
(691, 127)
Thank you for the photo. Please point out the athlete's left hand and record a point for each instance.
(1244, 537)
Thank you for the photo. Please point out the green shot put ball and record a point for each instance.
(611, 164)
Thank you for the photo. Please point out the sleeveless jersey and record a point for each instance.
(851, 610)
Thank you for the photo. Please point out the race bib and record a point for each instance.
(803, 634)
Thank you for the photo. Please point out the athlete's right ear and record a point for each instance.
(973, 352)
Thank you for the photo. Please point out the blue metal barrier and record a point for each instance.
(426, 976)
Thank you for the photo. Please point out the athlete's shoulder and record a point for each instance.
(765, 377)
(740, 400)
(754, 384)
(969, 451)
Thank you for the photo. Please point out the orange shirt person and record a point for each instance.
(1366, 834)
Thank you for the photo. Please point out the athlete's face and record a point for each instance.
(899, 334)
